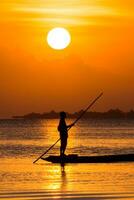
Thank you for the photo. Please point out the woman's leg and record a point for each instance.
(64, 145)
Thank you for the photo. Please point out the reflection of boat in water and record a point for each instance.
(74, 158)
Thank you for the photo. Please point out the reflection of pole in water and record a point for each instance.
(63, 178)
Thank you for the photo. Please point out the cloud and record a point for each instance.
(73, 11)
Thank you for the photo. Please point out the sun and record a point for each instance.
(58, 38)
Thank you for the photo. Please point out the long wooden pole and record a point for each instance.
(81, 115)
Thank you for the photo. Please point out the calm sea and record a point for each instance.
(22, 141)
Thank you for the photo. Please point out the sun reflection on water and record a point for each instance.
(57, 178)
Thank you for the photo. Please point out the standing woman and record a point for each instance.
(63, 129)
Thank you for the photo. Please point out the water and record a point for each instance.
(22, 141)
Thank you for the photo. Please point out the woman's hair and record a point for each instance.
(62, 114)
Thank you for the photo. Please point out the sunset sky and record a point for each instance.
(35, 77)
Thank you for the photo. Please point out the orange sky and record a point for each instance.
(34, 77)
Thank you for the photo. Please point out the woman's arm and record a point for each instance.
(69, 126)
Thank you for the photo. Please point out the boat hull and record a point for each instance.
(90, 159)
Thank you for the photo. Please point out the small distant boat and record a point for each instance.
(74, 158)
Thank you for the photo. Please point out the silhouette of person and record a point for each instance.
(63, 129)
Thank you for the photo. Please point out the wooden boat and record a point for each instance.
(74, 158)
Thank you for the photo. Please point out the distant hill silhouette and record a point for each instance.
(110, 114)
